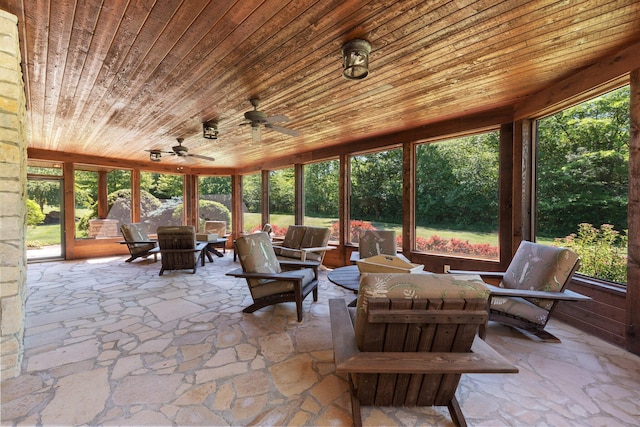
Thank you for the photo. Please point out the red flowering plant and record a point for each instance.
(455, 246)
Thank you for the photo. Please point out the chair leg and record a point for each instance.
(355, 404)
(456, 413)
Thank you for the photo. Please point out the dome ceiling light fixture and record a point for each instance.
(355, 59)
(210, 130)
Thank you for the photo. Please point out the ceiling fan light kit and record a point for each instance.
(257, 118)
(210, 130)
(154, 155)
(355, 59)
(177, 150)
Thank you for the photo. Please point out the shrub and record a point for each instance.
(455, 246)
(603, 252)
(34, 213)
(355, 227)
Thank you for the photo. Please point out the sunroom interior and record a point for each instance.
(107, 89)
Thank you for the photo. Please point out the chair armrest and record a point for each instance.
(342, 332)
(491, 274)
(274, 276)
(565, 295)
(348, 358)
(133, 242)
(299, 264)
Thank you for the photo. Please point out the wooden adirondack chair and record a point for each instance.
(179, 248)
(413, 337)
(531, 288)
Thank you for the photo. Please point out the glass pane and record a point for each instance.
(45, 221)
(86, 203)
(321, 196)
(214, 202)
(252, 202)
(376, 193)
(583, 180)
(44, 168)
(281, 200)
(119, 196)
(161, 200)
(457, 196)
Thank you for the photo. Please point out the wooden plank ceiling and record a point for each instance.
(115, 78)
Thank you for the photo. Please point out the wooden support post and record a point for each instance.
(508, 218)
(103, 205)
(237, 221)
(408, 197)
(345, 200)
(632, 337)
(299, 193)
(266, 204)
(136, 202)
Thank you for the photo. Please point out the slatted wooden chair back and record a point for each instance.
(417, 325)
(178, 247)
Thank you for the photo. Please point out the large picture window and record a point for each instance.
(376, 193)
(214, 202)
(252, 202)
(161, 200)
(457, 196)
(582, 183)
(282, 199)
(321, 196)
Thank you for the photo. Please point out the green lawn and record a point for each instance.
(252, 220)
(43, 235)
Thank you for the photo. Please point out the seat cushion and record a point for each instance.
(217, 227)
(257, 256)
(540, 268)
(412, 286)
(271, 287)
(315, 237)
(294, 236)
(136, 233)
(376, 242)
(520, 308)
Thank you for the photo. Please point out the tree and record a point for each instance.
(44, 192)
(583, 165)
(321, 188)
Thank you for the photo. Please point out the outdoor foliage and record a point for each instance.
(376, 186)
(321, 195)
(583, 166)
(355, 227)
(603, 251)
(457, 183)
(34, 213)
(456, 246)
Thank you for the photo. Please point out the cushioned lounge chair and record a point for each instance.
(272, 281)
(534, 283)
(138, 242)
(412, 337)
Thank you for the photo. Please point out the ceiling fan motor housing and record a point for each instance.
(256, 116)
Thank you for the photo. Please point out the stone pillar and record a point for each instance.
(13, 194)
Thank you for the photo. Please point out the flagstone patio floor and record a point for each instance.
(113, 343)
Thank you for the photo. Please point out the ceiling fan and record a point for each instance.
(177, 150)
(257, 118)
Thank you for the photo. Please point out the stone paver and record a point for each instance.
(112, 343)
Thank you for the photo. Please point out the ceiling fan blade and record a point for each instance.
(277, 119)
(202, 157)
(255, 134)
(281, 129)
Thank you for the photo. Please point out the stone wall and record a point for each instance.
(13, 188)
